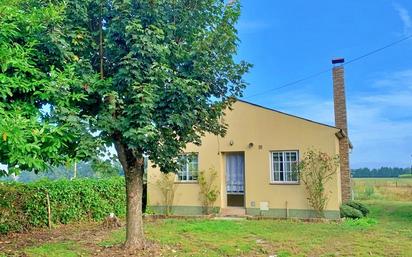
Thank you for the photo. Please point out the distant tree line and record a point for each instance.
(96, 168)
(92, 169)
(383, 172)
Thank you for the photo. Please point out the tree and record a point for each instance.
(146, 76)
(382, 172)
(39, 90)
(105, 168)
(315, 171)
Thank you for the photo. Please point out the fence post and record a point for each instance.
(48, 209)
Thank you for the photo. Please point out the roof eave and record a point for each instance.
(291, 115)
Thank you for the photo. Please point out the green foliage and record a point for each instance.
(405, 176)
(284, 254)
(23, 206)
(359, 206)
(361, 222)
(347, 211)
(316, 170)
(147, 76)
(39, 90)
(105, 168)
(167, 71)
(208, 190)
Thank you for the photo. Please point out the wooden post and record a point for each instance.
(75, 169)
(287, 210)
(48, 209)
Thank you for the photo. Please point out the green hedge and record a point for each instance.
(347, 211)
(24, 206)
(359, 206)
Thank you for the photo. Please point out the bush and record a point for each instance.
(405, 176)
(24, 206)
(316, 170)
(347, 211)
(208, 190)
(167, 186)
(359, 206)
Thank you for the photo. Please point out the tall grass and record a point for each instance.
(392, 189)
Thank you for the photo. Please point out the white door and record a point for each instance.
(235, 173)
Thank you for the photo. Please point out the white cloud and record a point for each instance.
(398, 79)
(405, 17)
(380, 120)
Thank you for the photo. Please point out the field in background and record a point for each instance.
(390, 189)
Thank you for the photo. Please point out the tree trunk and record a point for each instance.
(133, 170)
(134, 192)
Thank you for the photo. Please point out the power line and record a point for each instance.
(291, 83)
(288, 84)
(378, 50)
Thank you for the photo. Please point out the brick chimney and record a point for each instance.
(341, 123)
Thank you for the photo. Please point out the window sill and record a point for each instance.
(285, 183)
(187, 182)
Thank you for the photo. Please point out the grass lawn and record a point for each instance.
(388, 232)
(67, 249)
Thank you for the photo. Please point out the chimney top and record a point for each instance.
(338, 60)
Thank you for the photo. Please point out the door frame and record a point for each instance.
(225, 155)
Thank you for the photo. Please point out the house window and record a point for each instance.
(284, 167)
(189, 167)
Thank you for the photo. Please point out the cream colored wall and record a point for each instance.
(272, 131)
(187, 193)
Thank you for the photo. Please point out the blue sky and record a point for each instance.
(288, 40)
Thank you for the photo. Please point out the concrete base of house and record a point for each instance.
(292, 213)
(232, 212)
(255, 212)
(183, 210)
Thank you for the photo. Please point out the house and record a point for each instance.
(254, 163)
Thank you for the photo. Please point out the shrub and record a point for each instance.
(167, 186)
(359, 206)
(208, 191)
(24, 206)
(316, 170)
(405, 176)
(347, 211)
